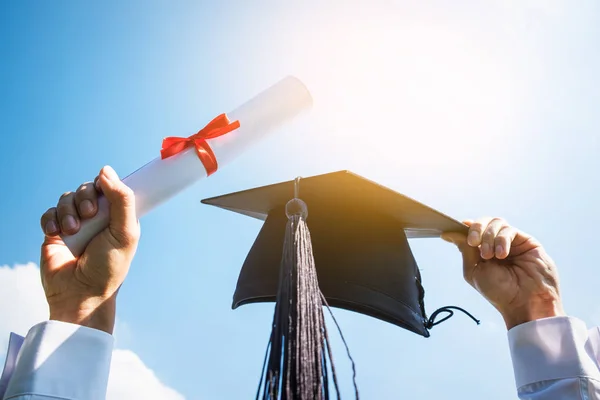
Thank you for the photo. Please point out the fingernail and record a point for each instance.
(86, 207)
(485, 249)
(51, 227)
(69, 223)
(473, 238)
(499, 250)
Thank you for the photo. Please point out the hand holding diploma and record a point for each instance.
(92, 234)
(69, 356)
(82, 290)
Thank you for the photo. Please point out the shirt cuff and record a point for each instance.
(14, 346)
(63, 360)
(551, 348)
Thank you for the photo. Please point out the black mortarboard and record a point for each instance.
(359, 235)
(359, 232)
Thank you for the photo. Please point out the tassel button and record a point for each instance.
(296, 207)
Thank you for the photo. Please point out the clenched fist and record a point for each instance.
(83, 290)
(510, 269)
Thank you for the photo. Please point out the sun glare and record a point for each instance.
(418, 93)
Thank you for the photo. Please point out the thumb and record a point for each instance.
(457, 239)
(470, 254)
(123, 224)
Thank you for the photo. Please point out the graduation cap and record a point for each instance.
(337, 240)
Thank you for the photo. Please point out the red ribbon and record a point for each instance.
(215, 128)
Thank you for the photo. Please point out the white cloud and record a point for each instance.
(23, 304)
(131, 379)
(22, 300)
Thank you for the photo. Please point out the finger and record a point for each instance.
(97, 184)
(67, 215)
(86, 200)
(503, 241)
(458, 239)
(470, 254)
(522, 243)
(451, 236)
(476, 231)
(488, 238)
(123, 223)
(49, 222)
(53, 247)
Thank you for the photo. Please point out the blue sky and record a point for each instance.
(475, 108)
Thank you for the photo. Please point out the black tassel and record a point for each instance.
(298, 359)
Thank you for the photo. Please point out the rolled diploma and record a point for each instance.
(159, 180)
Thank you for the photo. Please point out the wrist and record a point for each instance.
(521, 315)
(95, 313)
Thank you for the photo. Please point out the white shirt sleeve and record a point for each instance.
(556, 358)
(58, 360)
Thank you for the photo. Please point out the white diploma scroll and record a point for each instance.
(161, 179)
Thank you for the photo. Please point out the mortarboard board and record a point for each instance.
(359, 233)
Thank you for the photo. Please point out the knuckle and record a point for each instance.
(494, 228)
(50, 213)
(65, 208)
(506, 233)
(66, 199)
(82, 195)
(488, 235)
(501, 240)
(83, 188)
(500, 223)
(79, 196)
(497, 221)
(477, 226)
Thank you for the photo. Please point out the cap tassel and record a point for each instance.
(296, 363)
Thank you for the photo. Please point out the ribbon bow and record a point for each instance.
(215, 128)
